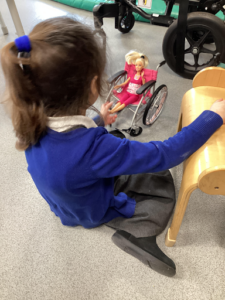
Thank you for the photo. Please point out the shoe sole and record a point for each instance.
(143, 256)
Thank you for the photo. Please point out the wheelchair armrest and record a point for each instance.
(145, 86)
(117, 75)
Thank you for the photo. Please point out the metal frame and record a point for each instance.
(122, 7)
(117, 9)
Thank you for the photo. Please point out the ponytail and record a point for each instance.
(26, 109)
(54, 79)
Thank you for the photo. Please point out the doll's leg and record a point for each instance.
(132, 99)
(125, 100)
(119, 105)
(118, 108)
(115, 107)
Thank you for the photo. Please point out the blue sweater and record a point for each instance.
(74, 171)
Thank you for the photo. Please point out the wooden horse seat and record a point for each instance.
(204, 169)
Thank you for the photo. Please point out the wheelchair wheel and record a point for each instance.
(155, 106)
(202, 29)
(134, 131)
(124, 24)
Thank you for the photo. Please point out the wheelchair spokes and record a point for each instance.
(155, 106)
(111, 96)
(138, 113)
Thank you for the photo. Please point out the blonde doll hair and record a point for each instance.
(132, 56)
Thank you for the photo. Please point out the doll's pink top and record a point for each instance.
(134, 85)
(148, 75)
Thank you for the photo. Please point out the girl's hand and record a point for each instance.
(116, 87)
(219, 107)
(107, 117)
(142, 74)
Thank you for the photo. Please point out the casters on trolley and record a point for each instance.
(126, 22)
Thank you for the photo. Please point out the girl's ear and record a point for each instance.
(94, 89)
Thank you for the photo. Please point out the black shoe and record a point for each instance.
(146, 250)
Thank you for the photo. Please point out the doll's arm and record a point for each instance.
(142, 77)
(122, 84)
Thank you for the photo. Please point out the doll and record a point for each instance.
(140, 61)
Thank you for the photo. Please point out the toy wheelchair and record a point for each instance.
(190, 43)
(149, 106)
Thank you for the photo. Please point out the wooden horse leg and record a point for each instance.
(183, 198)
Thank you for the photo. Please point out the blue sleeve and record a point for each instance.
(99, 121)
(111, 156)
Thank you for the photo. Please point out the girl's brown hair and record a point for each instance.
(56, 78)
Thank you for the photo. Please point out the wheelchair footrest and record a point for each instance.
(161, 20)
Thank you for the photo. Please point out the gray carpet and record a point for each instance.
(42, 259)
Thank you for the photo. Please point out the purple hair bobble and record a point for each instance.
(23, 43)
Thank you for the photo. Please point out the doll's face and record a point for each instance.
(139, 65)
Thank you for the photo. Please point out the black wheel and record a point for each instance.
(155, 106)
(125, 23)
(134, 131)
(202, 28)
(208, 40)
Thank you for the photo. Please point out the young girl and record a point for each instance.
(140, 61)
(52, 77)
